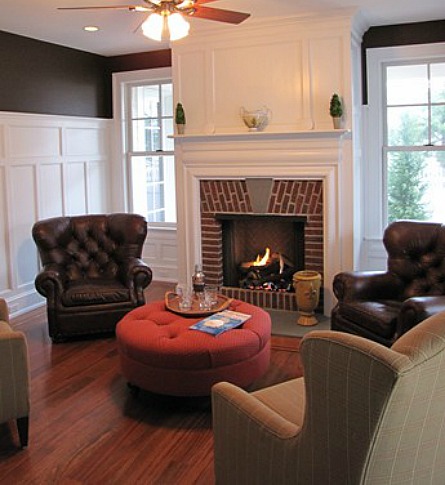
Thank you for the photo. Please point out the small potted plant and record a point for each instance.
(336, 110)
(180, 118)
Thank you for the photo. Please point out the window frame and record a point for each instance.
(122, 178)
(374, 179)
(131, 153)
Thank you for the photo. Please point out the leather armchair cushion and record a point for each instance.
(94, 292)
(379, 317)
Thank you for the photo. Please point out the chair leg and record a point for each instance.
(22, 428)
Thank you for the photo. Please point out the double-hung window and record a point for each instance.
(403, 170)
(414, 140)
(150, 151)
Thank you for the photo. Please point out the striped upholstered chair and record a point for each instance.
(362, 414)
(14, 376)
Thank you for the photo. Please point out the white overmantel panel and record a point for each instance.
(305, 155)
(292, 66)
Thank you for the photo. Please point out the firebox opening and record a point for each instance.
(247, 237)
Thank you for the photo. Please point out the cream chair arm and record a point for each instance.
(239, 420)
(14, 382)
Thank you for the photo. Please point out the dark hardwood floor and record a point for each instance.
(86, 427)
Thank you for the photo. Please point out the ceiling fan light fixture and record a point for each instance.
(177, 26)
(153, 26)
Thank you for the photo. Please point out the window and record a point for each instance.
(150, 150)
(414, 140)
(403, 171)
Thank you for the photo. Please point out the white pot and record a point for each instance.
(338, 122)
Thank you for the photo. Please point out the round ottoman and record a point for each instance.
(159, 353)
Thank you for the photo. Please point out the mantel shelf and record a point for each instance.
(339, 133)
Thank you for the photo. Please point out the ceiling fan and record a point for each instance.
(167, 16)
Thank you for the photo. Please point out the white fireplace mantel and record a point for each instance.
(321, 155)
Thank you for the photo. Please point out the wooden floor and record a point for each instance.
(86, 428)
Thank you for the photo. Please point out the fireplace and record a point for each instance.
(241, 218)
(312, 177)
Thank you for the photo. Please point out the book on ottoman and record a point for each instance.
(221, 322)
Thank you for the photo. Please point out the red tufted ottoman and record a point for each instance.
(159, 353)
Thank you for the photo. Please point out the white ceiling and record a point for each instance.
(41, 20)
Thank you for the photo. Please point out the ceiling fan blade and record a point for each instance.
(220, 15)
(200, 2)
(131, 8)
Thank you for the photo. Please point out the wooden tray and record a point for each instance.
(172, 304)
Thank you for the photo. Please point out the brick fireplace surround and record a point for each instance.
(311, 174)
(287, 197)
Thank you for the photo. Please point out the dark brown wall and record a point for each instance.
(142, 60)
(39, 77)
(403, 34)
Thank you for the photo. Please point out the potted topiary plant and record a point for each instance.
(336, 110)
(180, 118)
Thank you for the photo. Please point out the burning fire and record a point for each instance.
(262, 261)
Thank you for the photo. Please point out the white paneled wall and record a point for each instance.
(291, 65)
(49, 166)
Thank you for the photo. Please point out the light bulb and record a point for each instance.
(178, 26)
(153, 26)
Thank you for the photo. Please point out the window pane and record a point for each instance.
(146, 135)
(153, 184)
(167, 99)
(407, 126)
(145, 101)
(438, 83)
(416, 183)
(407, 85)
(167, 130)
(438, 125)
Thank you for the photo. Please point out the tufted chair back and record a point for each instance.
(416, 254)
(92, 271)
(93, 246)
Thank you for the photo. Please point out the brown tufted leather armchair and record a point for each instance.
(384, 305)
(92, 273)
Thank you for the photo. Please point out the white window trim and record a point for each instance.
(120, 182)
(373, 254)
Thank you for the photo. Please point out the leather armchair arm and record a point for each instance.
(50, 281)
(136, 275)
(366, 285)
(416, 309)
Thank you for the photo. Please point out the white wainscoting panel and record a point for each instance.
(97, 186)
(76, 189)
(34, 141)
(161, 254)
(4, 274)
(86, 141)
(2, 142)
(50, 189)
(22, 216)
(49, 166)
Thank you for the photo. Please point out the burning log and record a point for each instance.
(271, 272)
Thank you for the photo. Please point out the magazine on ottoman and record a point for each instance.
(220, 322)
